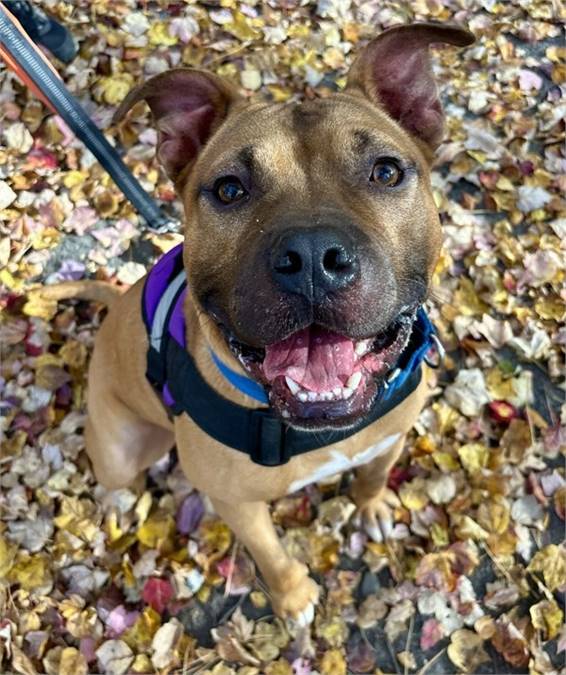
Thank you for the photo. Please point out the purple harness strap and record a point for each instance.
(158, 279)
(162, 309)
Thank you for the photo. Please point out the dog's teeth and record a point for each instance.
(347, 392)
(313, 396)
(293, 386)
(361, 347)
(303, 396)
(337, 391)
(327, 396)
(354, 380)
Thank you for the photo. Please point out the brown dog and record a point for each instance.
(310, 239)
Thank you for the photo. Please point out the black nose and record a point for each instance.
(314, 261)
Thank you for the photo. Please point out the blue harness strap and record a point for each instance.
(246, 385)
(259, 433)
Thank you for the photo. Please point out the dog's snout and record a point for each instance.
(314, 261)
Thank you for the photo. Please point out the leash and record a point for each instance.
(31, 66)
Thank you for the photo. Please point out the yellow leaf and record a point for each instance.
(551, 563)
(31, 572)
(74, 354)
(142, 664)
(467, 300)
(494, 515)
(40, 307)
(279, 93)
(74, 178)
(46, 238)
(159, 35)
(112, 528)
(550, 308)
(446, 416)
(413, 494)
(466, 650)
(279, 667)
(11, 447)
(445, 461)
(333, 663)
(547, 616)
(216, 536)
(158, 531)
(165, 242)
(439, 535)
(467, 528)
(500, 387)
(140, 635)
(504, 183)
(242, 27)
(115, 87)
(143, 507)
(7, 556)
(474, 456)
(324, 553)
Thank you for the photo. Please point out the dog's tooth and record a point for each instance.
(303, 396)
(347, 392)
(361, 347)
(285, 414)
(354, 380)
(327, 396)
(337, 391)
(293, 386)
(313, 396)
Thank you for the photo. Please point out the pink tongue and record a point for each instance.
(316, 359)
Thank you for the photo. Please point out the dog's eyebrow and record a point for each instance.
(361, 140)
(246, 157)
(365, 141)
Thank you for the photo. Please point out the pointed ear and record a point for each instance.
(394, 71)
(187, 106)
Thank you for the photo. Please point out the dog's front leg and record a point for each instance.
(293, 592)
(372, 497)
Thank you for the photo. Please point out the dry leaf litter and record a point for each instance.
(473, 579)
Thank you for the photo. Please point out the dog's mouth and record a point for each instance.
(318, 378)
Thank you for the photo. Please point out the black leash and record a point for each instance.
(65, 105)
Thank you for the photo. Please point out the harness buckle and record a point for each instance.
(267, 442)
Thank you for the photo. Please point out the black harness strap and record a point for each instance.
(258, 433)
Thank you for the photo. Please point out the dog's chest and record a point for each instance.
(337, 462)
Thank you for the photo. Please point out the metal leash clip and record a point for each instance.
(438, 350)
(391, 378)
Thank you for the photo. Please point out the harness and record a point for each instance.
(259, 433)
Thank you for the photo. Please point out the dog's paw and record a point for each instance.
(297, 602)
(375, 516)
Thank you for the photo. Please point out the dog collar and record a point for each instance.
(259, 433)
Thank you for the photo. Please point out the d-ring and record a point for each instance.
(440, 353)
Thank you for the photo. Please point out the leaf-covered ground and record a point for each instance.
(126, 581)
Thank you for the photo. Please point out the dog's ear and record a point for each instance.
(187, 106)
(395, 72)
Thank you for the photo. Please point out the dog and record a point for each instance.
(310, 240)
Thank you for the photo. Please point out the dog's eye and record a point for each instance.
(385, 172)
(229, 189)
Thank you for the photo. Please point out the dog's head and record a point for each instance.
(311, 232)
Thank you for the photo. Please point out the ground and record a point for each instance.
(151, 581)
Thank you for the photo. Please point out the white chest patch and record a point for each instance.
(339, 463)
